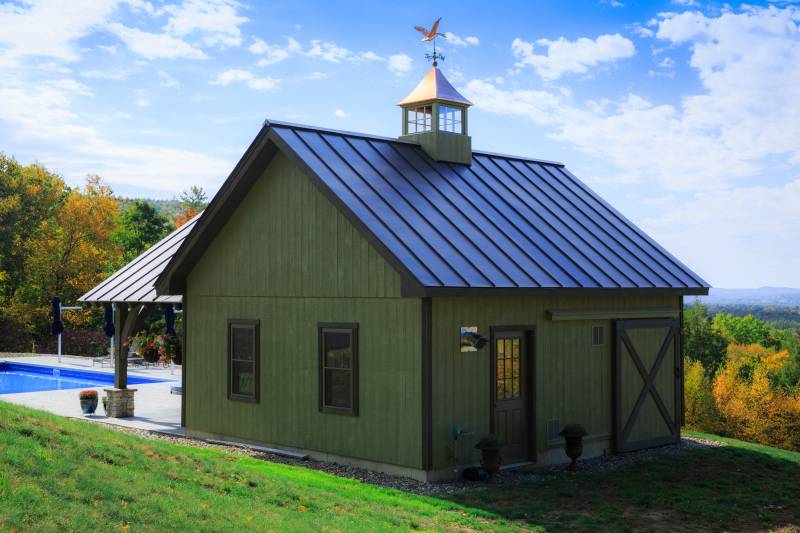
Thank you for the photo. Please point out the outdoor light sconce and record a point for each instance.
(470, 340)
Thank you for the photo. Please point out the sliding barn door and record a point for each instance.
(647, 383)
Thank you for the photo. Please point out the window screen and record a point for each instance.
(243, 359)
(339, 368)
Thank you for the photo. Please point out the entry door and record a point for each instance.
(647, 383)
(510, 394)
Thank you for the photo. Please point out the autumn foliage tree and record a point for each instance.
(744, 398)
(73, 250)
(29, 195)
(192, 202)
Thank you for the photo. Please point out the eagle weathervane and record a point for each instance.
(431, 35)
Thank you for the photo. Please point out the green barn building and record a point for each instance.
(387, 302)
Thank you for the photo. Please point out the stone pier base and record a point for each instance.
(120, 402)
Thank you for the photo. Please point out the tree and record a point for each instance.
(742, 329)
(700, 340)
(194, 197)
(71, 251)
(139, 227)
(28, 196)
(192, 201)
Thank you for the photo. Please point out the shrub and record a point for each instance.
(701, 410)
(13, 336)
(751, 406)
(88, 394)
(85, 343)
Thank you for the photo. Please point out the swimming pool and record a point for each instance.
(23, 377)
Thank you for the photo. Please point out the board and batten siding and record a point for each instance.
(288, 258)
(572, 378)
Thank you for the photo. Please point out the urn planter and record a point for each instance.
(490, 455)
(88, 399)
(573, 442)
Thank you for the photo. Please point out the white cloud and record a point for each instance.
(749, 227)
(667, 62)
(73, 87)
(273, 53)
(217, 20)
(369, 55)
(341, 113)
(112, 49)
(142, 102)
(117, 74)
(48, 28)
(238, 75)
(165, 80)
(455, 40)
(155, 45)
(330, 52)
(263, 84)
(43, 114)
(563, 56)
(686, 3)
(231, 75)
(400, 64)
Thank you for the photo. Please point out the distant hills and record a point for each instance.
(765, 296)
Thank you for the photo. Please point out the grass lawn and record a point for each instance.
(739, 487)
(59, 475)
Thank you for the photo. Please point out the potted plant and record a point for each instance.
(105, 404)
(573, 442)
(490, 454)
(88, 401)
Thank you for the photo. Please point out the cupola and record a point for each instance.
(435, 117)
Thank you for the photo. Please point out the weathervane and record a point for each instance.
(431, 35)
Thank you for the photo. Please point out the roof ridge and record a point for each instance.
(308, 127)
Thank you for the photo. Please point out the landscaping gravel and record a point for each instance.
(443, 488)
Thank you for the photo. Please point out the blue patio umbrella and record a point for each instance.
(57, 327)
(169, 318)
(108, 326)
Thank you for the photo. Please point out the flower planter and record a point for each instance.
(88, 399)
(573, 442)
(151, 357)
(490, 455)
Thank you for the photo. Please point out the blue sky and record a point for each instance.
(683, 114)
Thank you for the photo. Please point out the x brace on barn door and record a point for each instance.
(623, 432)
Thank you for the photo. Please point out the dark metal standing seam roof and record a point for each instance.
(502, 222)
(135, 282)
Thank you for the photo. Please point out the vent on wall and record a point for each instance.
(553, 429)
(598, 336)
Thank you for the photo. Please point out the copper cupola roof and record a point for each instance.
(434, 86)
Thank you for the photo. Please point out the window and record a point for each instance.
(508, 368)
(449, 119)
(338, 368)
(243, 360)
(597, 336)
(419, 119)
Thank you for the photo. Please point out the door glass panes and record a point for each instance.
(449, 119)
(509, 368)
(420, 119)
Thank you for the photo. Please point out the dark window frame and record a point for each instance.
(352, 327)
(256, 325)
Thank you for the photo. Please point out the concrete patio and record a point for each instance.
(156, 408)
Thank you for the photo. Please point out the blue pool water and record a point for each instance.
(24, 377)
